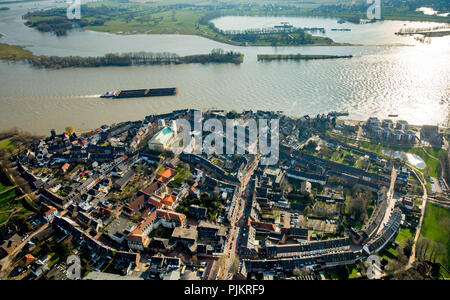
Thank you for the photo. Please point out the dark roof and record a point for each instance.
(121, 182)
(158, 243)
(197, 211)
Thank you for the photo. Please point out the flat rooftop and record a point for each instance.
(185, 233)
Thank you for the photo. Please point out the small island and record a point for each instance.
(270, 57)
(18, 53)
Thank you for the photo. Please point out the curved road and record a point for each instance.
(412, 258)
(7, 262)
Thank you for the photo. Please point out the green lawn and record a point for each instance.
(389, 254)
(182, 175)
(403, 235)
(436, 227)
(434, 169)
(432, 163)
(55, 258)
(353, 271)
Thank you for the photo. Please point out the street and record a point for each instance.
(230, 248)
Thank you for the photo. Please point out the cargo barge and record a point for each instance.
(140, 93)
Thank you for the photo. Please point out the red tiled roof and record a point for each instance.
(29, 259)
(263, 225)
(166, 175)
(137, 235)
(169, 200)
(155, 200)
(134, 205)
(146, 213)
(170, 215)
(159, 213)
(50, 210)
(151, 188)
(144, 224)
(65, 167)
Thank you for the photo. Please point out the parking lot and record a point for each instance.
(438, 185)
(318, 225)
(288, 220)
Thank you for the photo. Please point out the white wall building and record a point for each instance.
(162, 140)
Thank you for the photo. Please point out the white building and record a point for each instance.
(305, 187)
(373, 122)
(162, 140)
(402, 125)
(387, 123)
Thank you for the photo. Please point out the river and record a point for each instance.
(382, 78)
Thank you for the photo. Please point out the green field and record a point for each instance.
(9, 206)
(436, 227)
(6, 204)
(4, 187)
(7, 197)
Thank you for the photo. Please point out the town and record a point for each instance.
(129, 208)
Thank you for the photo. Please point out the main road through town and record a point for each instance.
(231, 245)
